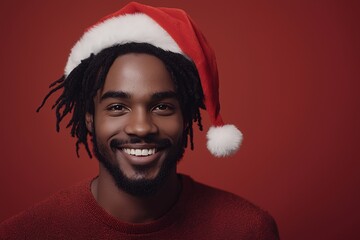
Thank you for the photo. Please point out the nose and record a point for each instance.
(140, 124)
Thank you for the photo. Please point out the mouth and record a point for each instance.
(140, 155)
(137, 153)
(140, 152)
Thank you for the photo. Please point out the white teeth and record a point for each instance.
(139, 152)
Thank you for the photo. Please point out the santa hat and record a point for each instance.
(169, 29)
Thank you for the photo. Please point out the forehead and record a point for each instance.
(138, 73)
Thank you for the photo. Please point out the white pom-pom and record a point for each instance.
(224, 140)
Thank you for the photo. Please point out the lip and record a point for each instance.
(140, 160)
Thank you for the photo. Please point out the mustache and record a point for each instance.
(160, 143)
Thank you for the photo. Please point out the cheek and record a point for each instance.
(173, 127)
(106, 127)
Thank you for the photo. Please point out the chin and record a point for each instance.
(138, 178)
(143, 180)
(143, 174)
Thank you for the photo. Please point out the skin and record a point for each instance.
(137, 101)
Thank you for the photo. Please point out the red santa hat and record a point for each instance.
(173, 30)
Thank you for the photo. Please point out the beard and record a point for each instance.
(140, 187)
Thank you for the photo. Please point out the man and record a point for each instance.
(133, 85)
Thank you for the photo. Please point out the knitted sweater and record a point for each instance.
(202, 212)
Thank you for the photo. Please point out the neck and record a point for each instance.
(134, 209)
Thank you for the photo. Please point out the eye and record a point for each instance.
(164, 109)
(117, 108)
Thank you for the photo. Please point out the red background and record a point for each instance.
(289, 80)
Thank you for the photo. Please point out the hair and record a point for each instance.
(84, 81)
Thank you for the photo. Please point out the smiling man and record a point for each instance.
(134, 85)
(137, 125)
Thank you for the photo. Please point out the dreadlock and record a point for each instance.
(82, 84)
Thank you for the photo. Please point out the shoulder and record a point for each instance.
(231, 212)
(213, 196)
(58, 208)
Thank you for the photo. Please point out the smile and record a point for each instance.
(139, 152)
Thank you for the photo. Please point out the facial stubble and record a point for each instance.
(140, 187)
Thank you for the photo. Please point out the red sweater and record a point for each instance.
(201, 212)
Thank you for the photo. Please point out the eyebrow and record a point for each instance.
(115, 94)
(163, 95)
(124, 95)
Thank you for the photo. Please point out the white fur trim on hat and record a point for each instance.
(127, 28)
(223, 140)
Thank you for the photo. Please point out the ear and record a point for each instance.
(89, 121)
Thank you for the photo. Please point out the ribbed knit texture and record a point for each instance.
(201, 212)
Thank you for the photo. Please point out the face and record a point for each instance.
(137, 124)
